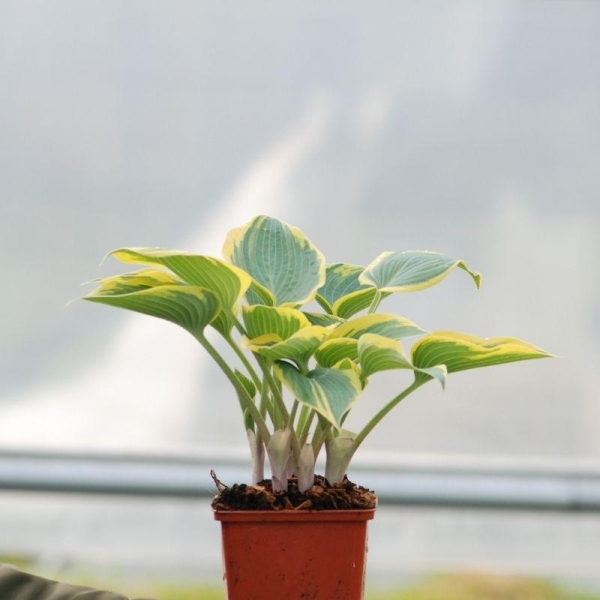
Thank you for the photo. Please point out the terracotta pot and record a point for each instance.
(291, 555)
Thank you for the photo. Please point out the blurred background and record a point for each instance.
(464, 127)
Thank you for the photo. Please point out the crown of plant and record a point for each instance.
(298, 373)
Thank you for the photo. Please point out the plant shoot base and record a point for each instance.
(321, 496)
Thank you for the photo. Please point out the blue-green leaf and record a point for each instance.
(322, 319)
(342, 294)
(280, 258)
(299, 347)
(278, 322)
(330, 392)
(387, 325)
(377, 353)
(411, 271)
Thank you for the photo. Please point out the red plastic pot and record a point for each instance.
(292, 555)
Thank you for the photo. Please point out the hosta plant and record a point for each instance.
(298, 372)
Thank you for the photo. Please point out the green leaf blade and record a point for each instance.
(411, 271)
(228, 282)
(387, 325)
(135, 282)
(278, 257)
(299, 347)
(351, 304)
(190, 307)
(330, 392)
(323, 320)
(377, 353)
(281, 322)
(335, 350)
(342, 294)
(246, 382)
(459, 351)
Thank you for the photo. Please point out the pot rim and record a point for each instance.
(361, 514)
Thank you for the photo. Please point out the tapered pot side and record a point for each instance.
(290, 554)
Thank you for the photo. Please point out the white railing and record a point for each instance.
(430, 480)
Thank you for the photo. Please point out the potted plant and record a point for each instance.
(297, 373)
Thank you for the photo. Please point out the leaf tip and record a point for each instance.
(69, 302)
(108, 254)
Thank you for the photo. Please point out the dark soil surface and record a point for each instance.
(321, 496)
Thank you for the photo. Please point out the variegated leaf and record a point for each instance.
(334, 350)
(247, 383)
(411, 271)
(377, 353)
(299, 347)
(460, 351)
(353, 303)
(347, 363)
(135, 282)
(191, 307)
(387, 325)
(342, 294)
(279, 257)
(259, 294)
(228, 282)
(330, 392)
(279, 321)
(323, 320)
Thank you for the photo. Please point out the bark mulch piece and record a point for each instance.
(321, 496)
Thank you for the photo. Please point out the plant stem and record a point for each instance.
(383, 412)
(302, 419)
(296, 450)
(266, 369)
(321, 434)
(266, 406)
(306, 427)
(240, 353)
(317, 433)
(375, 302)
(238, 325)
(294, 442)
(279, 414)
(292, 416)
(248, 403)
(282, 411)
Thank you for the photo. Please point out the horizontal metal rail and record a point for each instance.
(414, 480)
